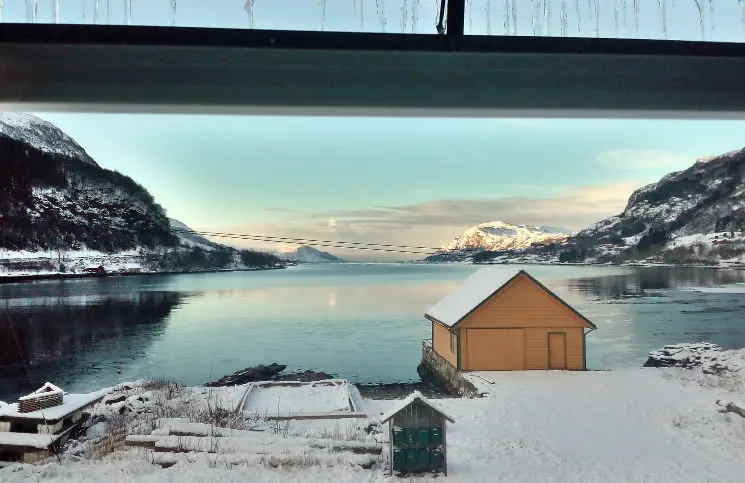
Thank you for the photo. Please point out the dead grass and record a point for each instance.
(168, 387)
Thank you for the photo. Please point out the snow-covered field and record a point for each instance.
(661, 425)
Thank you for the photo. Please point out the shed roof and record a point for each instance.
(414, 396)
(477, 289)
(47, 388)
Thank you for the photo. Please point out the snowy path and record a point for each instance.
(658, 425)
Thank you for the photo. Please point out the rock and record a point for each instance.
(401, 390)
(305, 376)
(115, 400)
(709, 357)
(251, 374)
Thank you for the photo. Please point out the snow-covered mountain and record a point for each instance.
(306, 254)
(54, 195)
(41, 135)
(500, 235)
(695, 206)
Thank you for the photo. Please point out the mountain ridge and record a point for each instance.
(308, 254)
(702, 202)
(501, 235)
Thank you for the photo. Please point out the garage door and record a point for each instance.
(495, 350)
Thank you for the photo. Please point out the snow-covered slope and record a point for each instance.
(187, 237)
(56, 197)
(41, 135)
(499, 235)
(703, 202)
(306, 254)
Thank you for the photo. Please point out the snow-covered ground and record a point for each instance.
(661, 425)
(73, 260)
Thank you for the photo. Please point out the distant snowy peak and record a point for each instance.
(306, 254)
(500, 235)
(41, 135)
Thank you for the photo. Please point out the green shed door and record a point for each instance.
(399, 460)
(436, 459)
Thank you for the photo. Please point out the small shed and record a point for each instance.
(417, 435)
(41, 421)
(501, 321)
(132, 268)
(97, 269)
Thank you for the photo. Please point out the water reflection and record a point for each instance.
(69, 335)
(645, 282)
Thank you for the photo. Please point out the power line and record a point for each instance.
(383, 247)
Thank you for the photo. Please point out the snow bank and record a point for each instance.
(535, 426)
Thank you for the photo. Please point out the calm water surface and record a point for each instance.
(363, 322)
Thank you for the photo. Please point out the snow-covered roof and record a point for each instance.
(472, 292)
(47, 389)
(71, 403)
(476, 289)
(414, 396)
(28, 440)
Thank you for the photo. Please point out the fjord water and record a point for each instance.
(363, 322)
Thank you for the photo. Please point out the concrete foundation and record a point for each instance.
(445, 373)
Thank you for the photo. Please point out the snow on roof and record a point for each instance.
(71, 403)
(474, 290)
(414, 396)
(47, 389)
(28, 440)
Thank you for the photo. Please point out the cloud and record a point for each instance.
(432, 223)
(641, 159)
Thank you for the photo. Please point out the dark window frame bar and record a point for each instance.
(241, 71)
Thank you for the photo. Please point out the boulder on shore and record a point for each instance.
(709, 357)
(251, 374)
(268, 373)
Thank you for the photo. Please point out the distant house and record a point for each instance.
(95, 269)
(132, 268)
(498, 322)
(38, 423)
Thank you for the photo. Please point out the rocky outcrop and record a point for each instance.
(268, 373)
(709, 357)
(251, 374)
(435, 369)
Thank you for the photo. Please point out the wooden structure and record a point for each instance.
(417, 435)
(29, 435)
(500, 322)
(45, 397)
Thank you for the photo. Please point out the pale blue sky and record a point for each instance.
(291, 175)
(399, 180)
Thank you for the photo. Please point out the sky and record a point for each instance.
(393, 180)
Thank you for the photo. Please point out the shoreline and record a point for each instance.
(8, 279)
